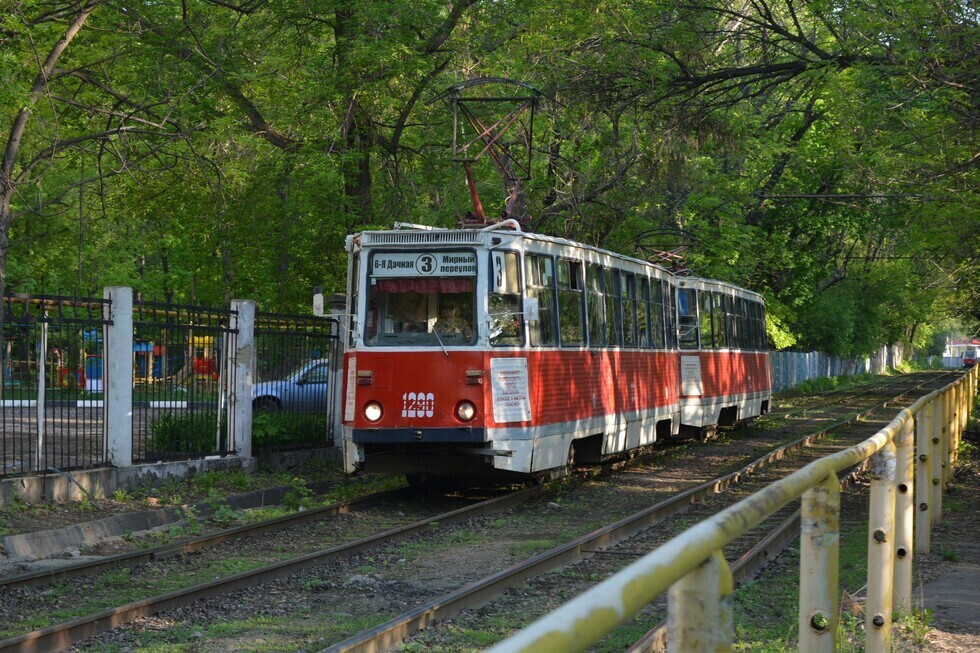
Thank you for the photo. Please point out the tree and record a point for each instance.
(801, 149)
(63, 100)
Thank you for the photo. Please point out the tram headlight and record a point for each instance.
(465, 411)
(373, 411)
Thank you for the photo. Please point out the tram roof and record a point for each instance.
(410, 234)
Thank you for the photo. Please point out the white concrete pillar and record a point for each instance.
(117, 376)
(240, 391)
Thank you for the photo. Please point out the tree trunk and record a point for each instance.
(8, 182)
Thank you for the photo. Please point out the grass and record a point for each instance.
(258, 634)
(532, 547)
(829, 384)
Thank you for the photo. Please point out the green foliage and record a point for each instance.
(823, 157)
(827, 384)
(186, 433)
(297, 495)
(282, 429)
(224, 514)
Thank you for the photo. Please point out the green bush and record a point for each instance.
(276, 429)
(191, 433)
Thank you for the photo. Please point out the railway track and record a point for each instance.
(607, 550)
(188, 546)
(58, 636)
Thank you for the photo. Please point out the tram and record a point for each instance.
(495, 352)
(970, 357)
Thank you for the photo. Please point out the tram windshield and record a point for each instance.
(421, 299)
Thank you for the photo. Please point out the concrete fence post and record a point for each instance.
(881, 537)
(117, 375)
(240, 396)
(819, 566)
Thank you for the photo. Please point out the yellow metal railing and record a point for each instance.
(911, 463)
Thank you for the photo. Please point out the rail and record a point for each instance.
(912, 461)
(58, 637)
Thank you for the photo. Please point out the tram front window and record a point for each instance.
(420, 312)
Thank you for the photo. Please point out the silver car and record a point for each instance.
(305, 390)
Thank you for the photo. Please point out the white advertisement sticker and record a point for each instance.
(691, 376)
(509, 388)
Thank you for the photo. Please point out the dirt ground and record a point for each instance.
(951, 570)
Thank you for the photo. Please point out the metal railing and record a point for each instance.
(181, 381)
(51, 408)
(912, 461)
(293, 392)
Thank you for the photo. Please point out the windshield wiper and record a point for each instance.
(441, 344)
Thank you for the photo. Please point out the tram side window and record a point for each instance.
(763, 336)
(627, 288)
(720, 318)
(730, 322)
(643, 314)
(760, 318)
(670, 315)
(657, 315)
(743, 328)
(571, 318)
(595, 297)
(614, 315)
(506, 318)
(687, 318)
(707, 338)
(540, 276)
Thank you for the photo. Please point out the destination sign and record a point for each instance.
(429, 264)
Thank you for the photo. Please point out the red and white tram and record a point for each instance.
(496, 352)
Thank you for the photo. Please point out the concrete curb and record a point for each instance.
(27, 547)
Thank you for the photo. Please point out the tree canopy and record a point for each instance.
(822, 152)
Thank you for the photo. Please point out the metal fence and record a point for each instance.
(791, 368)
(55, 367)
(180, 381)
(51, 393)
(293, 395)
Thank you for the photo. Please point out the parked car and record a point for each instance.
(305, 390)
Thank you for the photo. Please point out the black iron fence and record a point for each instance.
(51, 395)
(181, 379)
(294, 390)
(53, 382)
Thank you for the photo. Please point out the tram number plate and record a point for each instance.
(418, 404)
